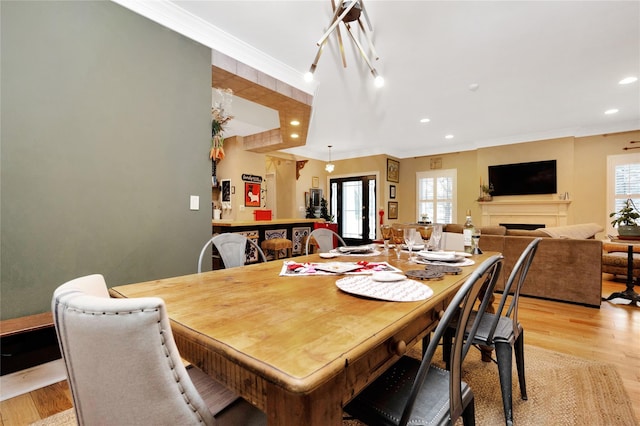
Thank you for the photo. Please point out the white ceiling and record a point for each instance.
(545, 69)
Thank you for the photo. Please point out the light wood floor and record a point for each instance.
(609, 334)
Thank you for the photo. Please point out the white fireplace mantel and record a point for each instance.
(547, 212)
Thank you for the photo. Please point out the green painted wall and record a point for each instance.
(105, 135)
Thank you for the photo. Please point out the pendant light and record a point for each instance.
(348, 12)
(329, 166)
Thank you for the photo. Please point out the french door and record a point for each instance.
(353, 203)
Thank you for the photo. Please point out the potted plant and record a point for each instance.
(626, 219)
(324, 211)
(311, 212)
(485, 192)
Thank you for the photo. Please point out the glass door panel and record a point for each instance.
(353, 200)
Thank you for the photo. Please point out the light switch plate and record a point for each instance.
(194, 202)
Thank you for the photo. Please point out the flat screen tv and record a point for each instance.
(537, 177)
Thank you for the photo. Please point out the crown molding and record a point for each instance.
(169, 15)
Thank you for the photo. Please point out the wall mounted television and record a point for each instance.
(537, 177)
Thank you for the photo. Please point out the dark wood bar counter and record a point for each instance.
(259, 230)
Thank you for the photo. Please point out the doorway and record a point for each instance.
(353, 203)
(271, 198)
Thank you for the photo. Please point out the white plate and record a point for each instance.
(463, 254)
(337, 267)
(416, 247)
(328, 255)
(355, 249)
(462, 262)
(388, 277)
(397, 291)
(443, 256)
(446, 253)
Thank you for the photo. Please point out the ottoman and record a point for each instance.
(615, 255)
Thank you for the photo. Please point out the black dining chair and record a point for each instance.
(414, 391)
(502, 332)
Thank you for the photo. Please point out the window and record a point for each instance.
(437, 195)
(623, 181)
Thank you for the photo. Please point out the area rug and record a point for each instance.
(562, 390)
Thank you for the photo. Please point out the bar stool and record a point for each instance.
(277, 244)
(313, 244)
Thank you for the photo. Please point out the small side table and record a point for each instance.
(628, 293)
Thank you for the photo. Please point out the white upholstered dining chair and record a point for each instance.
(124, 368)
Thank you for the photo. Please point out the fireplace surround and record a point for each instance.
(541, 213)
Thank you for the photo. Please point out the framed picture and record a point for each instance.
(315, 195)
(315, 182)
(393, 170)
(251, 194)
(392, 191)
(226, 190)
(393, 210)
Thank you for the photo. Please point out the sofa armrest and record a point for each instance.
(563, 269)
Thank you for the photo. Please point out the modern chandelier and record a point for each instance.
(329, 166)
(348, 12)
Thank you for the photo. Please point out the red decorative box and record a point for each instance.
(262, 214)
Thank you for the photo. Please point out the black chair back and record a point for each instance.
(460, 308)
(517, 278)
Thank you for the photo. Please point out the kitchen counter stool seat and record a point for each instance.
(276, 245)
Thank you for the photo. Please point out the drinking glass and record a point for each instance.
(436, 236)
(475, 242)
(409, 235)
(386, 236)
(425, 233)
(398, 239)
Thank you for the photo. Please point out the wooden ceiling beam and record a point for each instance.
(255, 86)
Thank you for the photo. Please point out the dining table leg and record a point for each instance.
(321, 407)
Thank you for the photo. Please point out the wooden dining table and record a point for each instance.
(297, 347)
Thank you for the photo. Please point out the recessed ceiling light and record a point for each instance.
(628, 80)
(611, 111)
(294, 135)
(425, 120)
(295, 123)
(449, 137)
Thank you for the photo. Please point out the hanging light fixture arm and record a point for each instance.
(335, 22)
(366, 34)
(366, 15)
(339, 34)
(364, 55)
(317, 58)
